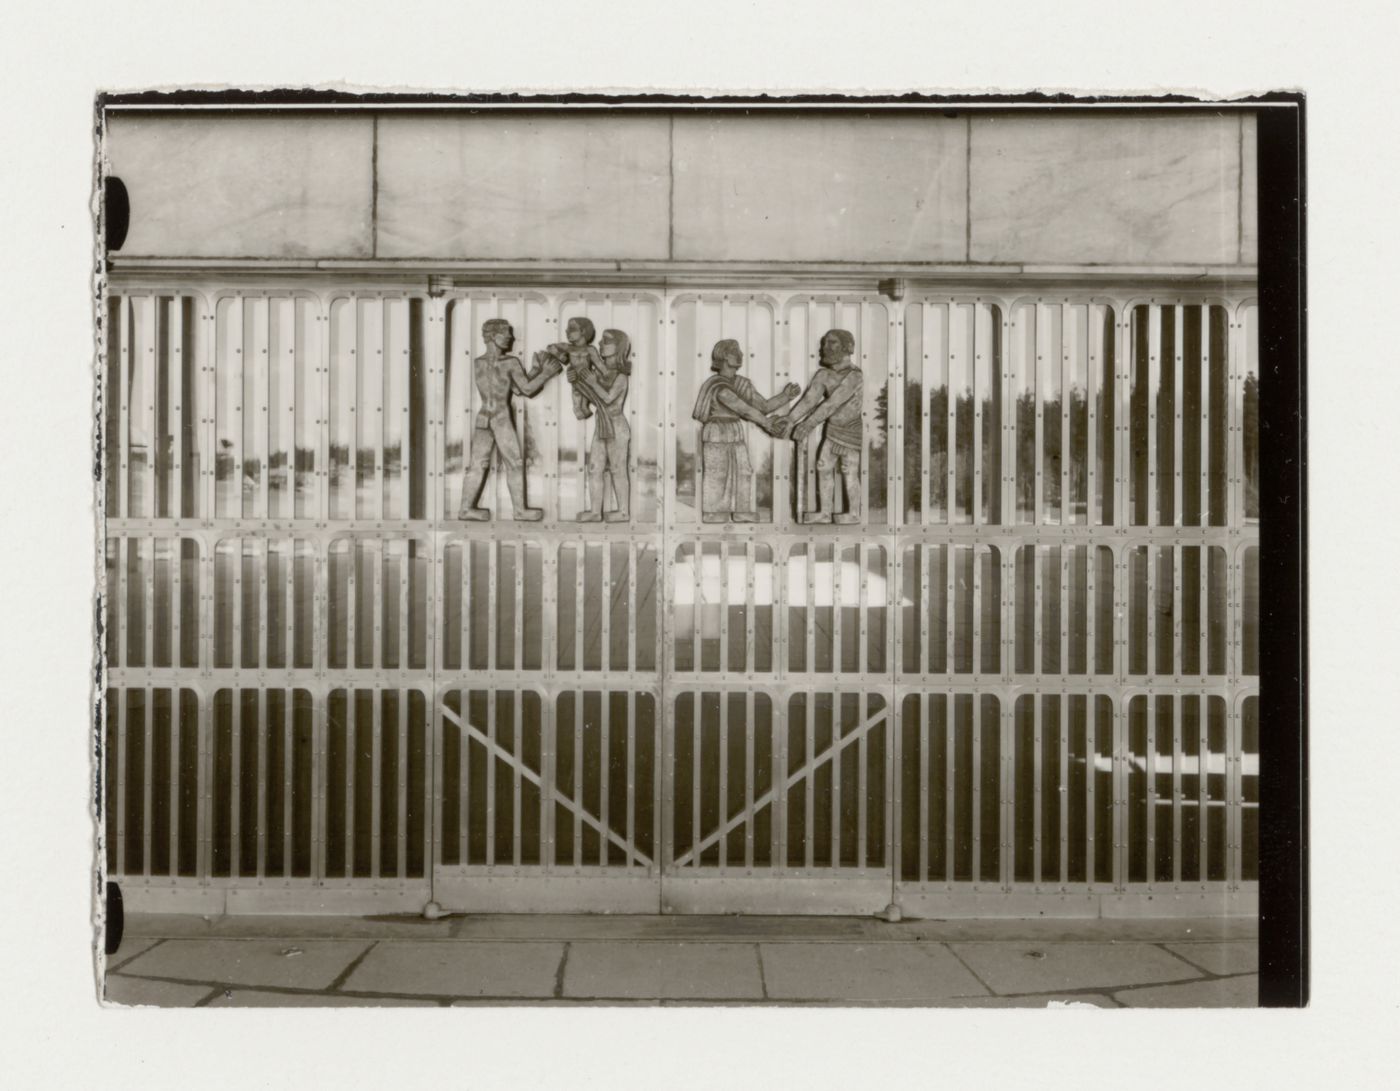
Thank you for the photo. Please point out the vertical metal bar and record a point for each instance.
(920, 701)
(925, 415)
(837, 755)
(262, 791)
(467, 611)
(1039, 444)
(578, 780)
(148, 762)
(977, 788)
(288, 760)
(123, 397)
(405, 434)
(631, 774)
(1091, 644)
(978, 350)
(405, 660)
(978, 552)
(605, 603)
(810, 793)
(862, 792)
(580, 566)
(750, 727)
(352, 732)
(174, 788)
(810, 613)
(1152, 556)
(401, 790)
(236, 779)
(724, 606)
(1063, 700)
(177, 565)
(1064, 551)
(1093, 388)
(262, 430)
(320, 777)
(722, 810)
(148, 572)
(1091, 765)
(352, 554)
(464, 780)
(951, 442)
(175, 384)
(1204, 506)
(1150, 767)
(779, 824)
(698, 736)
(239, 308)
(518, 752)
(1179, 451)
(1154, 383)
(119, 713)
(950, 611)
(376, 767)
(491, 760)
(635, 551)
(838, 566)
(1203, 787)
(1178, 725)
(603, 771)
(950, 779)
(148, 384)
(1066, 401)
(493, 615)
(1039, 780)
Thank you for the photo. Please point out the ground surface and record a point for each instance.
(175, 961)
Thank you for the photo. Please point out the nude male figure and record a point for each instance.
(834, 396)
(498, 376)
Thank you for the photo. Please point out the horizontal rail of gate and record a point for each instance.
(1035, 660)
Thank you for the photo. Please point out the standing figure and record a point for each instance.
(725, 401)
(603, 384)
(499, 375)
(835, 395)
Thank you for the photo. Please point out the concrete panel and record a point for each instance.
(889, 972)
(1249, 190)
(1154, 189)
(216, 185)
(828, 188)
(1048, 968)
(667, 971)
(135, 991)
(523, 186)
(305, 964)
(1223, 992)
(438, 968)
(1220, 958)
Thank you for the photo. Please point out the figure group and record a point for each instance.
(599, 377)
(833, 397)
(726, 401)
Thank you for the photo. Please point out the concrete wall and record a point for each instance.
(1047, 189)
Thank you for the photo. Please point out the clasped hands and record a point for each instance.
(787, 428)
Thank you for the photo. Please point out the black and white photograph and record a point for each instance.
(680, 552)
(742, 544)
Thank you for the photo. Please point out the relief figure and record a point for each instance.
(726, 400)
(835, 396)
(498, 376)
(600, 383)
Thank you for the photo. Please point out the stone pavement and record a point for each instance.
(174, 961)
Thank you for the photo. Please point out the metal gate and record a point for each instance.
(1024, 682)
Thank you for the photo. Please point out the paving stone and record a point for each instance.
(1220, 992)
(160, 994)
(293, 964)
(254, 998)
(1220, 958)
(458, 968)
(1054, 967)
(672, 971)
(882, 971)
(129, 949)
